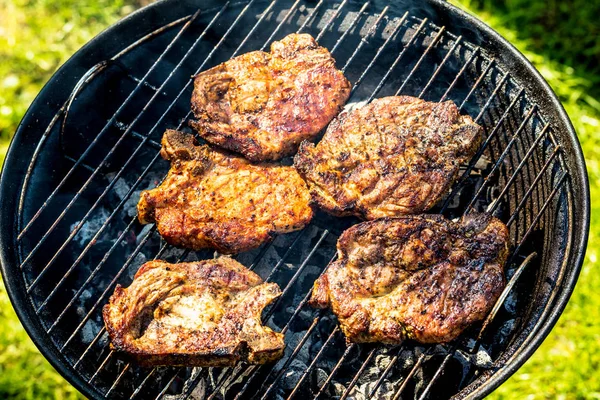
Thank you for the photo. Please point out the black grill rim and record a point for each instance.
(155, 15)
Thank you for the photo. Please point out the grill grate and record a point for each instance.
(71, 259)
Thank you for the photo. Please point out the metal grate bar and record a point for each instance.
(89, 346)
(262, 17)
(476, 84)
(228, 377)
(494, 205)
(105, 129)
(532, 186)
(439, 68)
(145, 139)
(492, 96)
(462, 180)
(547, 309)
(326, 232)
(101, 367)
(189, 385)
(285, 255)
(461, 73)
(254, 369)
(92, 274)
(163, 248)
(85, 79)
(352, 25)
(138, 80)
(501, 158)
(83, 165)
(78, 228)
(182, 256)
(166, 387)
(262, 253)
(437, 374)
(412, 372)
(311, 16)
(296, 275)
(358, 374)
(503, 296)
(505, 292)
(142, 384)
(156, 157)
(101, 230)
(314, 361)
(289, 13)
(164, 114)
(284, 292)
(396, 61)
(119, 377)
(540, 213)
(252, 266)
(365, 39)
(183, 90)
(379, 52)
(423, 55)
(283, 331)
(288, 360)
(333, 18)
(385, 373)
(335, 369)
(101, 299)
(130, 127)
(149, 36)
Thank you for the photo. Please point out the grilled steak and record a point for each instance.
(263, 105)
(205, 313)
(395, 156)
(416, 277)
(213, 199)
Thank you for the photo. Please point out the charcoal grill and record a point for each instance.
(89, 144)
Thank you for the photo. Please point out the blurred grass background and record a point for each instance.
(561, 38)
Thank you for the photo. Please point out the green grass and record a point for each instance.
(36, 37)
(560, 38)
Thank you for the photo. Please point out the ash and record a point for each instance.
(89, 228)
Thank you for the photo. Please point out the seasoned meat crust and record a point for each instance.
(395, 156)
(213, 199)
(263, 105)
(205, 313)
(416, 277)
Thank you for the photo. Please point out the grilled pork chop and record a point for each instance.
(416, 277)
(213, 199)
(205, 313)
(395, 156)
(263, 105)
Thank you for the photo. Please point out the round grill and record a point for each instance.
(90, 144)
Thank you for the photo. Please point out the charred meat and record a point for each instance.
(395, 156)
(417, 277)
(214, 199)
(205, 313)
(263, 105)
